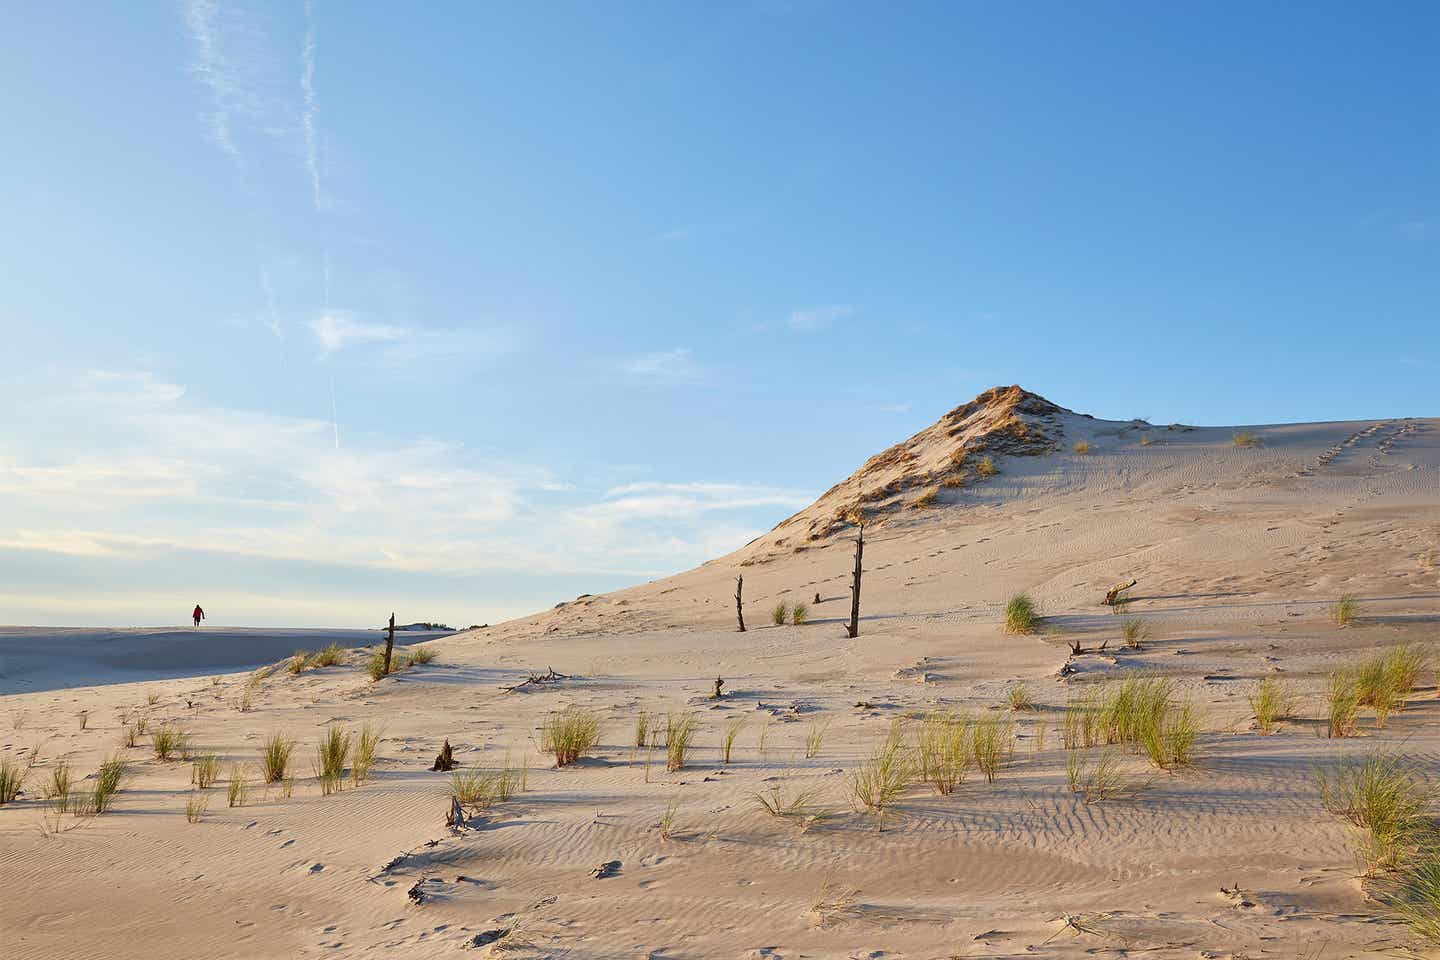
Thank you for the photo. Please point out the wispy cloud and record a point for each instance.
(809, 319)
(213, 68)
(312, 109)
(338, 329)
(675, 367)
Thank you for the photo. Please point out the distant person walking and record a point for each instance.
(198, 614)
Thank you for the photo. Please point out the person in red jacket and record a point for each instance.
(198, 614)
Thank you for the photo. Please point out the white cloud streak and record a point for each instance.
(676, 367)
(308, 119)
(810, 319)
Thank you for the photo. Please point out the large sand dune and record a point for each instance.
(1239, 551)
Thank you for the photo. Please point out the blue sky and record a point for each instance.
(313, 311)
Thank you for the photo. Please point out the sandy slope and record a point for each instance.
(1238, 551)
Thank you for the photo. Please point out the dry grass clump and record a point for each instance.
(986, 467)
(570, 734)
(1343, 701)
(479, 789)
(364, 759)
(1385, 797)
(108, 780)
(195, 805)
(953, 482)
(239, 788)
(643, 724)
(1021, 615)
(1272, 702)
(1404, 664)
(1083, 447)
(1019, 698)
(152, 697)
(275, 757)
(375, 665)
(943, 755)
(780, 613)
(1098, 778)
(926, 499)
(12, 777)
(205, 771)
(991, 743)
(1169, 737)
(815, 738)
(797, 808)
(298, 661)
(170, 742)
(681, 729)
(134, 730)
(880, 781)
(1139, 710)
(1415, 897)
(1344, 611)
(57, 791)
(799, 614)
(1244, 438)
(329, 656)
(834, 903)
(422, 655)
(1135, 631)
(331, 755)
(732, 730)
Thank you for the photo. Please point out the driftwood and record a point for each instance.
(607, 869)
(549, 676)
(1112, 596)
(445, 760)
(718, 684)
(739, 612)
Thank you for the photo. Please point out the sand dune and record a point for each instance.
(1239, 551)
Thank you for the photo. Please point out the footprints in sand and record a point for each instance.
(1388, 432)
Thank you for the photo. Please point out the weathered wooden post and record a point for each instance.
(389, 644)
(739, 613)
(854, 628)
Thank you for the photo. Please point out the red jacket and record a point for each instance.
(198, 612)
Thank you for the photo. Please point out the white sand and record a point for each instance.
(1238, 551)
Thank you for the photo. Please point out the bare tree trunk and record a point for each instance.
(389, 644)
(854, 628)
(739, 613)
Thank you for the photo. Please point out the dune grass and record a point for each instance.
(108, 780)
(133, 730)
(926, 499)
(799, 614)
(942, 756)
(205, 771)
(195, 805)
(1083, 447)
(152, 697)
(375, 665)
(422, 655)
(796, 808)
(643, 723)
(364, 758)
(815, 738)
(1343, 704)
(1271, 702)
(13, 773)
(1385, 796)
(1169, 736)
(1404, 664)
(780, 613)
(170, 742)
(1018, 698)
(880, 782)
(331, 755)
(480, 789)
(732, 730)
(1344, 611)
(238, 790)
(1021, 615)
(986, 467)
(570, 734)
(682, 731)
(58, 790)
(1244, 438)
(991, 744)
(328, 656)
(1135, 631)
(1415, 897)
(275, 757)
(1138, 710)
(298, 661)
(1097, 778)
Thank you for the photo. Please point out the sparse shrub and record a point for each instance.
(1145, 440)
(297, 661)
(815, 738)
(238, 789)
(152, 697)
(927, 499)
(331, 755)
(1135, 631)
(57, 791)
(879, 783)
(169, 742)
(799, 614)
(1083, 447)
(1384, 796)
(1343, 698)
(1019, 698)
(275, 757)
(1344, 611)
(195, 805)
(570, 734)
(732, 730)
(12, 777)
(328, 656)
(422, 655)
(954, 482)
(1271, 702)
(682, 731)
(779, 613)
(1244, 438)
(986, 467)
(942, 756)
(205, 771)
(1021, 615)
(133, 731)
(364, 758)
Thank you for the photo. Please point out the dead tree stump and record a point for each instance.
(853, 628)
(739, 611)
(445, 760)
